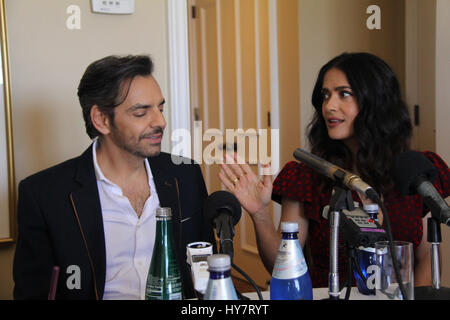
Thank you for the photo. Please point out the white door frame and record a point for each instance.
(179, 72)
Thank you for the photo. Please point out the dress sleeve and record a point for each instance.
(294, 181)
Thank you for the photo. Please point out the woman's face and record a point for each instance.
(339, 106)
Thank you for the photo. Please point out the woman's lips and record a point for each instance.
(334, 122)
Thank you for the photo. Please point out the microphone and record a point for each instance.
(224, 211)
(412, 173)
(350, 180)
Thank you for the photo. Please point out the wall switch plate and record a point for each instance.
(113, 6)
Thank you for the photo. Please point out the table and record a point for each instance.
(319, 294)
(420, 293)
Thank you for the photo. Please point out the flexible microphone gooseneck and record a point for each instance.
(348, 179)
(352, 182)
(224, 211)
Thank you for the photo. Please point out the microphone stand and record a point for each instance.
(434, 238)
(435, 292)
(341, 199)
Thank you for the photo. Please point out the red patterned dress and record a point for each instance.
(299, 182)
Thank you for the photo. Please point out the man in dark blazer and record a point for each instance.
(60, 214)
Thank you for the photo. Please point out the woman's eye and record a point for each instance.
(325, 95)
(346, 94)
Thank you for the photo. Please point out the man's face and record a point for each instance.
(138, 123)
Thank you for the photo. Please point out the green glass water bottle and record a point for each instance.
(164, 276)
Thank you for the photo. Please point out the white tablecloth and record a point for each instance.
(319, 294)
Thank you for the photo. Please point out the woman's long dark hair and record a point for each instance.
(382, 126)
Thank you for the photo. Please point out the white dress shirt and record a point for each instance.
(129, 240)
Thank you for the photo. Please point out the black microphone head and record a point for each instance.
(221, 201)
(407, 170)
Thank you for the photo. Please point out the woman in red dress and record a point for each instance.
(360, 124)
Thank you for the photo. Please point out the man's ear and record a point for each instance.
(100, 120)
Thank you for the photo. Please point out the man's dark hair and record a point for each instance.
(106, 83)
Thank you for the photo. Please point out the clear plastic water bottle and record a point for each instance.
(164, 276)
(366, 257)
(372, 210)
(220, 286)
(290, 276)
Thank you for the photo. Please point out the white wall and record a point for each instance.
(426, 73)
(443, 79)
(443, 111)
(47, 61)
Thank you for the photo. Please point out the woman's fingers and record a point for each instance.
(267, 175)
(229, 174)
(226, 181)
(242, 164)
(252, 191)
(240, 168)
(235, 166)
(237, 170)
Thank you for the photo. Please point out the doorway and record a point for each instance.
(230, 89)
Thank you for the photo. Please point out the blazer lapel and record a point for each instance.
(87, 208)
(168, 194)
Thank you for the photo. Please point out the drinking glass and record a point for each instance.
(386, 281)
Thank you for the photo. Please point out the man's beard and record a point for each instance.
(135, 147)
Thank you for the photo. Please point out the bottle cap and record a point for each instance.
(289, 227)
(219, 262)
(367, 249)
(371, 207)
(163, 213)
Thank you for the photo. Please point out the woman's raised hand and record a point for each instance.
(253, 193)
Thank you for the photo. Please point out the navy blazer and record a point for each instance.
(60, 224)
